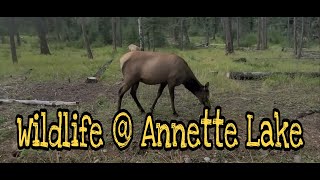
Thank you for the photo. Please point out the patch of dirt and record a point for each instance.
(81, 92)
(311, 127)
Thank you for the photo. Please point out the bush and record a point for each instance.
(248, 40)
(159, 39)
(132, 36)
(98, 43)
(276, 37)
(76, 44)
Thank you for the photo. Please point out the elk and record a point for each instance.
(154, 68)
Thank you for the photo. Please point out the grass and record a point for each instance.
(2, 120)
(292, 95)
(67, 63)
(71, 63)
(288, 82)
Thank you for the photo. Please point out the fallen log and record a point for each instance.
(96, 77)
(39, 102)
(261, 75)
(92, 80)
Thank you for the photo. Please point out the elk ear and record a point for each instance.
(207, 85)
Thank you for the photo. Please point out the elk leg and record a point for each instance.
(160, 90)
(171, 92)
(133, 93)
(124, 88)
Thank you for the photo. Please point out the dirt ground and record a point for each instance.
(292, 104)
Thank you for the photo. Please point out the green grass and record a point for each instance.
(2, 120)
(62, 64)
(288, 82)
(67, 62)
(72, 63)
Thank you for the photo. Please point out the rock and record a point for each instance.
(206, 159)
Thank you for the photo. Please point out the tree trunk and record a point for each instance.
(307, 33)
(265, 34)
(181, 34)
(148, 40)
(238, 32)
(229, 39)
(114, 33)
(119, 31)
(251, 22)
(263, 43)
(207, 31)
(175, 31)
(319, 29)
(153, 39)
(288, 32)
(57, 22)
(85, 38)
(259, 34)
(141, 35)
(186, 35)
(12, 29)
(66, 35)
(18, 38)
(295, 41)
(301, 39)
(214, 28)
(42, 33)
(175, 34)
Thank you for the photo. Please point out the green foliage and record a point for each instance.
(2, 120)
(3, 30)
(75, 44)
(98, 43)
(160, 39)
(132, 36)
(248, 40)
(99, 29)
(276, 36)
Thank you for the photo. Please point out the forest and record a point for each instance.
(252, 64)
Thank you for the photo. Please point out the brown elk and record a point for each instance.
(153, 68)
